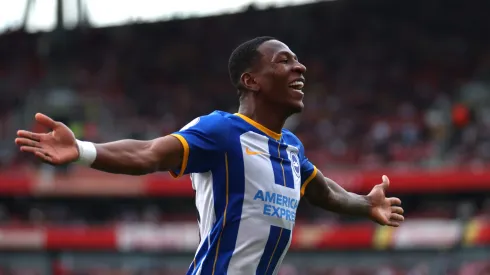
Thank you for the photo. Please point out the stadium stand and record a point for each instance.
(387, 92)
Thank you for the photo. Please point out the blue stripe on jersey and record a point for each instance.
(228, 212)
(286, 165)
(201, 253)
(281, 165)
(207, 260)
(276, 162)
(274, 248)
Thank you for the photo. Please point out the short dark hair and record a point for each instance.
(244, 57)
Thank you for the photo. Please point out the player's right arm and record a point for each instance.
(133, 157)
(138, 157)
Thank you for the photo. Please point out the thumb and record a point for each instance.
(45, 120)
(386, 182)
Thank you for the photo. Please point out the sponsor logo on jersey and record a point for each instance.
(253, 153)
(278, 205)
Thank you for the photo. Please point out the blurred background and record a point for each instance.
(393, 87)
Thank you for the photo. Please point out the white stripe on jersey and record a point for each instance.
(203, 184)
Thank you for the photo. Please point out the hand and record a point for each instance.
(56, 147)
(385, 211)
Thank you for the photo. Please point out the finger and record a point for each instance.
(397, 210)
(386, 182)
(43, 156)
(393, 224)
(27, 142)
(395, 201)
(45, 120)
(30, 149)
(29, 135)
(396, 217)
(40, 153)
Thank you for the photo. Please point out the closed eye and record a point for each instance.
(284, 61)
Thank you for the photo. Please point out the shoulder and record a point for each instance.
(215, 121)
(291, 139)
(211, 129)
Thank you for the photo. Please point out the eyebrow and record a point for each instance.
(286, 53)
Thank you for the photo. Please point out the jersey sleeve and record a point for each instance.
(308, 170)
(203, 139)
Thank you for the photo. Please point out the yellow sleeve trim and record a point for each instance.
(310, 178)
(185, 157)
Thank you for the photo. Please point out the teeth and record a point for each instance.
(297, 85)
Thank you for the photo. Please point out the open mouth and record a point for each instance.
(297, 85)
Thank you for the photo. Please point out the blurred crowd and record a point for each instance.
(91, 211)
(469, 268)
(383, 87)
(95, 211)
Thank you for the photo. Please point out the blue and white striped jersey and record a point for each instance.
(248, 182)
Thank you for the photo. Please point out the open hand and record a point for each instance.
(385, 211)
(56, 147)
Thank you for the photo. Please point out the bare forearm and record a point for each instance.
(136, 157)
(124, 157)
(327, 194)
(344, 202)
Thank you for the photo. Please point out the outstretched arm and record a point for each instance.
(133, 157)
(136, 157)
(327, 194)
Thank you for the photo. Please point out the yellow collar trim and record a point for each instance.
(261, 127)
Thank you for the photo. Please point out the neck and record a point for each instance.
(266, 116)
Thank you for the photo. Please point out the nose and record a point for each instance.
(300, 68)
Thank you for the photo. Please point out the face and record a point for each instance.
(278, 77)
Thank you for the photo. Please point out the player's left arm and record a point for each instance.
(327, 194)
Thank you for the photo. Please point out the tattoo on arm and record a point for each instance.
(327, 194)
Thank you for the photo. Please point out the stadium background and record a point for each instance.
(393, 87)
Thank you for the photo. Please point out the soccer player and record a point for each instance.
(248, 172)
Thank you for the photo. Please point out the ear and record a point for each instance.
(249, 83)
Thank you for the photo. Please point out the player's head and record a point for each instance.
(268, 69)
